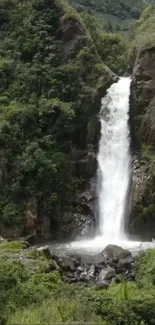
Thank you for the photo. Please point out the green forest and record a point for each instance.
(50, 90)
(113, 15)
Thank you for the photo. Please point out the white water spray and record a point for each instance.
(114, 160)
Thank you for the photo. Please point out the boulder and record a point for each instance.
(114, 252)
(91, 272)
(106, 274)
(99, 260)
(84, 277)
(101, 285)
(66, 264)
(79, 269)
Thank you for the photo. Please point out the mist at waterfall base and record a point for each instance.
(114, 173)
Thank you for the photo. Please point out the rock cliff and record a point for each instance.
(142, 121)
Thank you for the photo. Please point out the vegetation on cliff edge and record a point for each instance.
(142, 35)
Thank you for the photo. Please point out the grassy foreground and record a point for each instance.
(32, 293)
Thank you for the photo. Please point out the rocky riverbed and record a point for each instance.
(113, 264)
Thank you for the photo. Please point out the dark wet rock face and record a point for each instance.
(142, 221)
(142, 124)
(98, 270)
(80, 222)
(142, 113)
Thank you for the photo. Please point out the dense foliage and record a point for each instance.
(112, 47)
(118, 15)
(36, 295)
(49, 85)
(122, 9)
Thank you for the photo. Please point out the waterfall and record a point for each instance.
(114, 160)
(114, 171)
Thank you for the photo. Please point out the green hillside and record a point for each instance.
(51, 77)
(142, 34)
(114, 15)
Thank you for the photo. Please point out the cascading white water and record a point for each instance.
(113, 173)
(114, 159)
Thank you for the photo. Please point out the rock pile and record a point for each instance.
(112, 265)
